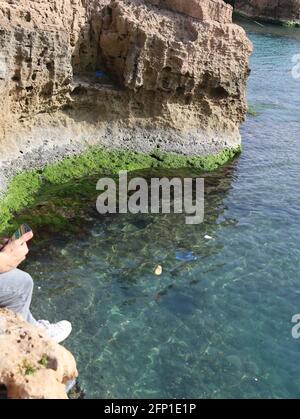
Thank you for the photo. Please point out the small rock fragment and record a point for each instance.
(158, 270)
(3, 325)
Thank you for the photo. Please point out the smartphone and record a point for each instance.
(23, 229)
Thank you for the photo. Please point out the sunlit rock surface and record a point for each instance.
(32, 366)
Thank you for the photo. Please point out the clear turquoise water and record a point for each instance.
(219, 326)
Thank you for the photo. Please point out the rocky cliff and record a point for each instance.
(31, 365)
(278, 11)
(130, 74)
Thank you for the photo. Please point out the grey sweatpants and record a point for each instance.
(16, 289)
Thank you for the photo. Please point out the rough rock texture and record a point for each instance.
(171, 74)
(285, 11)
(31, 365)
(202, 10)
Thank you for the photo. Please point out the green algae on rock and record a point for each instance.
(252, 111)
(25, 186)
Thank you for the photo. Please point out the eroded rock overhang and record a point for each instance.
(121, 74)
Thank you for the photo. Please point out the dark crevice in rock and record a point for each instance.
(3, 392)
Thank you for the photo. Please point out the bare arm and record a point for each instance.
(14, 253)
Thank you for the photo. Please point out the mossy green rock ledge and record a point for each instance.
(25, 186)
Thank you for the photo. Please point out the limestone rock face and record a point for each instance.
(31, 365)
(182, 60)
(135, 74)
(200, 9)
(37, 40)
(277, 10)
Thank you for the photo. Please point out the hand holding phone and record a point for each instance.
(16, 250)
(23, 231)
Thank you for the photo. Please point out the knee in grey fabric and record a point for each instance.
(27, 283)
(16, 289)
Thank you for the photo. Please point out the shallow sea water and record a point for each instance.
(216, 326)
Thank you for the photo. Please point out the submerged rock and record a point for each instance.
(32, 366)
(126, 74)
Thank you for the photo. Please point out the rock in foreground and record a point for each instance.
(31, 365)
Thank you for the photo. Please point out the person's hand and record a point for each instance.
(3, 243)
(14, 253)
